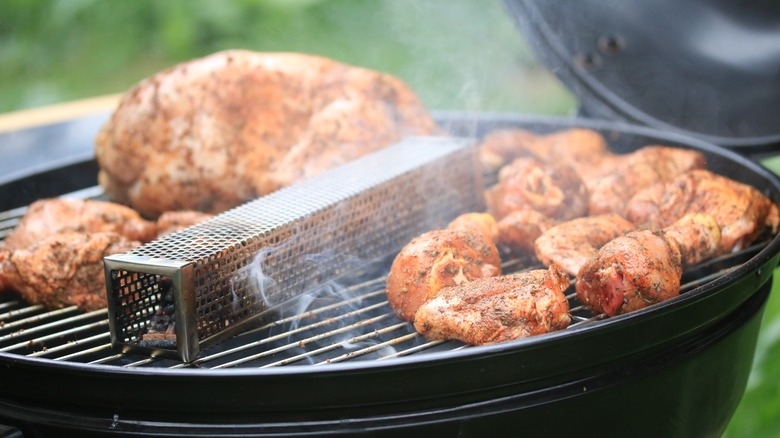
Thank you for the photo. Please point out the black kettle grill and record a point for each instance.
(678, 368)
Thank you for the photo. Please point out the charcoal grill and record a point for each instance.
(338, 361)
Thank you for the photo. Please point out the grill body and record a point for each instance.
(616, 376)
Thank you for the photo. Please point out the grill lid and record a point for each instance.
(707, 69)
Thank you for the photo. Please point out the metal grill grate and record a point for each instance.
(344, 319)
(206, 283)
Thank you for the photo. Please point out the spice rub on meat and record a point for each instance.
(644, 267)
(63, 269)
(46, 217)
(215, 132)
(553, 190)
(435, 260)
(573, 243)
(497, 309)
(54, 256)
(741, 211)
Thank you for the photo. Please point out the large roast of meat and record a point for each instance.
(215, 132)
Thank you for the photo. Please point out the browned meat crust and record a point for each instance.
(497, 309)
(553, 190)
(437, 259)
(47, 217)
(214, 132)
(741, 211)
(573, 243)
(65, 269)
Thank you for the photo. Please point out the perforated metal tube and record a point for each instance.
(175, 295)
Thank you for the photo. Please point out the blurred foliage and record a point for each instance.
(463, 54)
(758, 415)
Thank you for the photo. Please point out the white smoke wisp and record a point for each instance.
(254, 279)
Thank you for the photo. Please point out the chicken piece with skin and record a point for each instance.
(173, 221)
(573, 243)
(497, 309)
(741, 211)
(578, 148)
(518, 231)
(644, 267)
(553, 190)
(52, 216)
(499, 148)
(483, 223)
(218, 131)
(64, 269)
(435, 260)
(612, 184)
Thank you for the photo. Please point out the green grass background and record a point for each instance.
(457, 55)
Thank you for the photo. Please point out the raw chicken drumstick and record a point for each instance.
(437, 259)
(742, 212)
(497, 309)
(573, 243)
(644, 267)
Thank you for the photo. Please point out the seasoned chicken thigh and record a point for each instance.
(47, 217)
(497, 309)
(573, 243)
(741, 211)
(435, 260)
(644, 267)
(503, 146)
(613, 184)
(518, 231)
(640, 268)
(173, 221)
(64, 269)
(579, 148)
(480, 222)
(553, 190)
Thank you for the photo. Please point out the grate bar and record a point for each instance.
(58, 335)
(337, 345)
(70, 345)
(88, 351)
(26, 310)
(305, 341)
(48, 326)
(415, 349)
(373, 348)
(289, 333)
